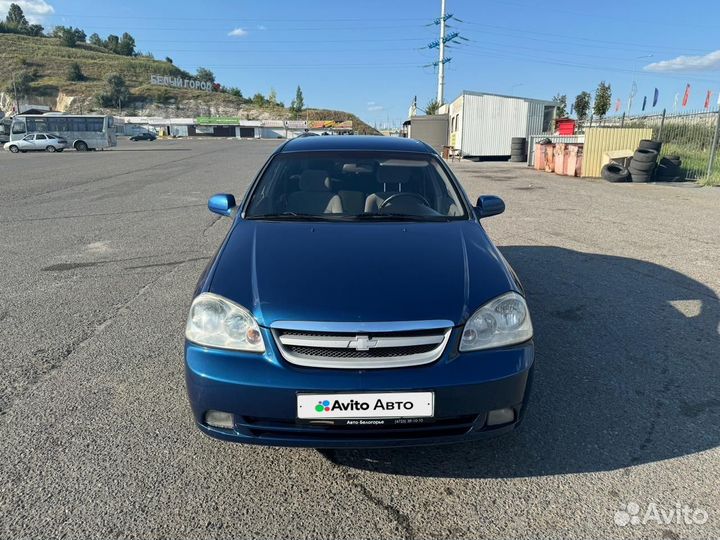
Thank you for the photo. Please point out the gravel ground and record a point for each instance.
(100, 254)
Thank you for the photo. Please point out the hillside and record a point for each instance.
(48, 62)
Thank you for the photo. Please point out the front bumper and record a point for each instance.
(260, 391)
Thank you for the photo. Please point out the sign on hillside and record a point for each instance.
(179, 82)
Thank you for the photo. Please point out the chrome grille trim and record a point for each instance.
(338, 342)
(355, 351)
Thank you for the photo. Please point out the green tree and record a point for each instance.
(205, 75)
(126, 45)
(16, 17)
(22, 85)
(35, 30)
(75, 73)
(112, 43)
(67, 36)
(96, 40)
(432, 106)
(297, 105)
(272, 97)
(80, 35)
(582, 105)
(116, 92)
(235, 91)
(603, 99)
(168, 60)
(258, 100)
(561, 100)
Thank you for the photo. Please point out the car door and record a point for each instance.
(40, 142)
(27, 143)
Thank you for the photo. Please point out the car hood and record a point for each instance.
(359, 272)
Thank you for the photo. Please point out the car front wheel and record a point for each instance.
(14, 149)
(50, 149)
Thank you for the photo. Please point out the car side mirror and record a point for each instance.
(222, 203)
(489, 205)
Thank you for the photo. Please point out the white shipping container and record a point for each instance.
(488, 122)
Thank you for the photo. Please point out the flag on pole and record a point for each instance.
(618, 105)
(644, 102)
(655, 97)
(686, 97)
(707, 99)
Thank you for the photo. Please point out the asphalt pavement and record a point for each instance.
(100, 253)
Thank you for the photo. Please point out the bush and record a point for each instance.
(75, 73)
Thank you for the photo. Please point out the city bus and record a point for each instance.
(83, 132)
(5, 124)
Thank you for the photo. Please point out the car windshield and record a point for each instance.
(355, 186)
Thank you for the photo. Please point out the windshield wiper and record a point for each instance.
(294, 216)
(397, 217)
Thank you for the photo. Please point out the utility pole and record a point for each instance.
(441, 65)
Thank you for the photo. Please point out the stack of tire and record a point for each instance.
(644, 161)
(518, 149)
(668, 170)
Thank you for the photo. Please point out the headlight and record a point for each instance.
(217, 322)
(502, 321)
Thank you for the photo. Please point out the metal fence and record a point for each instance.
(692, 136)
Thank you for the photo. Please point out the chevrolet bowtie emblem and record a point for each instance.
(362, 343)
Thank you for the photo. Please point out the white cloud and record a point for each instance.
(374, 107)
(238, 32)
(262, 27)
(35, 10)
(708, 62)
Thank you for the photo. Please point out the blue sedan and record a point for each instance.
(356, 302)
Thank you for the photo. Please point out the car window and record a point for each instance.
(28, 137)
(356, 184)
(40, 137)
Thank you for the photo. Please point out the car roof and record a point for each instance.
(362, 143)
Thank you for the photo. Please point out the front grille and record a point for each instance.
(284, 429)
(385, 352)
(369, 350)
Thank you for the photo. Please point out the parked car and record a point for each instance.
(357, 301)
(147, 136)
(47, 142)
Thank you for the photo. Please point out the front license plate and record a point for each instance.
(351, 406)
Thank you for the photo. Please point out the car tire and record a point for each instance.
(81, 146)
(642, 166)
(670, 161)
(51, 149)
(639, 177)
(612, 172)
(646, 155)
(647, 144)
(14, 149)
(60, 149)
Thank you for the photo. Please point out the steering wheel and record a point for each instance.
(415, 196)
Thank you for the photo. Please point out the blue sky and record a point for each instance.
(367, 56)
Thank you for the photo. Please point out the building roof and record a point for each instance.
(371, 143)
(535, 100)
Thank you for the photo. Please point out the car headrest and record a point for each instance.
(314, 180)
(394, 175)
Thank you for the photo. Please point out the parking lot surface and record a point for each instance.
(100, 254)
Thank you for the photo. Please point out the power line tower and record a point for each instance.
(441, 60)
(453, 38)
